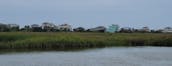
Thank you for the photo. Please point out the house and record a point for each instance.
(167, 30)
(12, 25)
(79, 29)
(36, 28)
(98, 29)
(126, 30)
(47, 24)
(113, 28)
(3, 27)
(145, 29)
(142, 30)
(47, 27)
(35, 25)
(65, 27)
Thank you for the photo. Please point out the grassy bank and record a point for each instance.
(61, 40)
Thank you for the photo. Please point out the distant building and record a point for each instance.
(145, 29)
(56, 27)
(47, 24)
(36, 28)
(3, 27)
(65, 27)
(79, 29)
(98, 29)
(48, 27)
(126, 30)
(167, 30)
(35, 25)
(12, 25)
(113, 28)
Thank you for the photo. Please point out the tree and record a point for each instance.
(14, 28)
(26, 28)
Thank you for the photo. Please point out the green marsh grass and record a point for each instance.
(61, 40)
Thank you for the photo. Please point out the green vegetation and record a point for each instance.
(62, 40)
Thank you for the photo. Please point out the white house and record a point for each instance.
(146, 29)
(47, 25)
(167, 30)
(65, 27)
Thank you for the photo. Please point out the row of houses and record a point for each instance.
(50, 27)
(46, 26)
(111, 29)
(8, 27)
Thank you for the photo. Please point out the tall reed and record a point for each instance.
(40, 40)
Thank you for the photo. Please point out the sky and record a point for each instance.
(155, 14)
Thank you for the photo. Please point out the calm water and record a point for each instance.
(116, 56)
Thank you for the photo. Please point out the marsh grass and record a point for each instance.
(61, 40)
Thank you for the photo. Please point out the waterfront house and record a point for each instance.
(46, 26)
(36, 28)
(13, 27)
(113, 28)
(3, 27)
(145, 29)
(98, 29)
(35, 25)
(167, 30)
(126, 30)
(65, 27)
(79, 29)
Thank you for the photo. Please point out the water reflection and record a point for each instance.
(111, 56)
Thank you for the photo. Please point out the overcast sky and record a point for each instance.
(88, 13)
